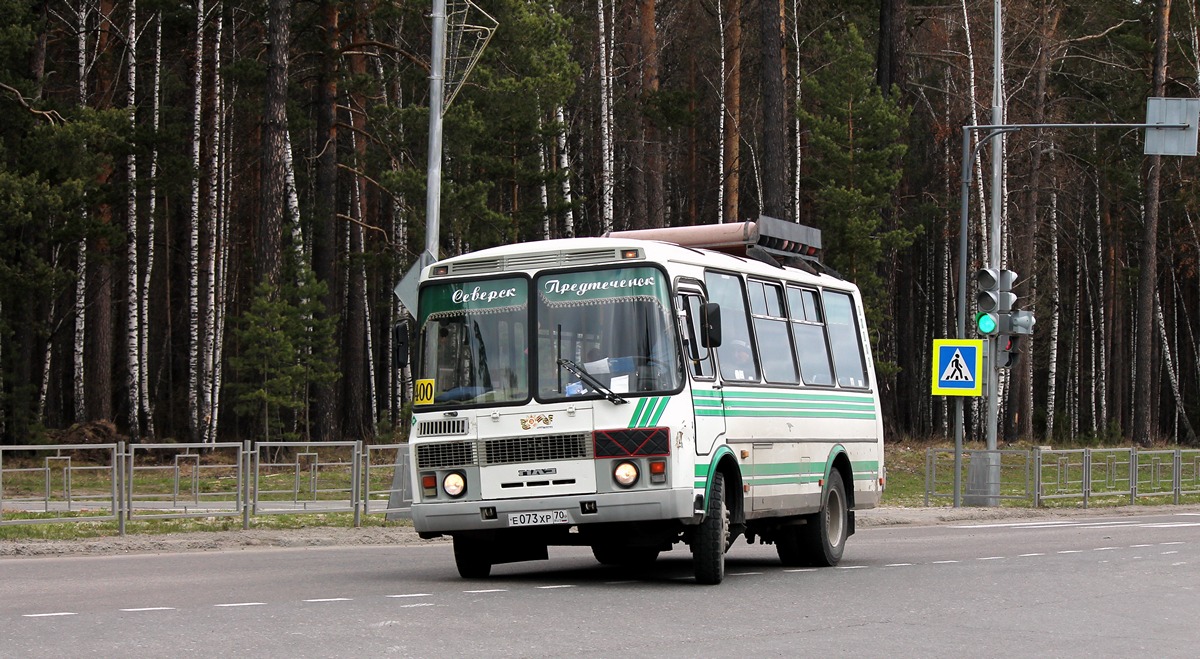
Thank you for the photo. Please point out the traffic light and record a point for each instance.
(994, 300)
(1021, 322)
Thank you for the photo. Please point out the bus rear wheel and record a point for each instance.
(823, 538)
(470, 558)
(712, 537)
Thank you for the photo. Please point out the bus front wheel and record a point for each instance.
(712, 537)
(470, 558)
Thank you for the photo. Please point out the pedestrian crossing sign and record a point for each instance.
(957, 367)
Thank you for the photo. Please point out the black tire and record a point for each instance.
(712, 537)
(824, 537)
(624, 556)
(469, 557)
(790, 547)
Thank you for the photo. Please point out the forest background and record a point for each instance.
(205, 205)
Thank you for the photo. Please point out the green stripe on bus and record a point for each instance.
(658, 411)
(814, 414)
(637, 413)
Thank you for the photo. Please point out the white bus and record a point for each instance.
(628, 394)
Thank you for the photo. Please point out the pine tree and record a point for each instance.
(855, 152)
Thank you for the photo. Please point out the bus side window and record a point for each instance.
(808, 330)
(771, 329)
(698, 357)
(735, 354)
(844, 340)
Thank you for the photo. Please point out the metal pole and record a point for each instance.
(433, 194)
(997, 184)
(964, 194)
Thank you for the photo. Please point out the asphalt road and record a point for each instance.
(1083, 586)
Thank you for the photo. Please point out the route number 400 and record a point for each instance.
(423, 392)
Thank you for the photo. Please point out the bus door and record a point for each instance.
(707, 401)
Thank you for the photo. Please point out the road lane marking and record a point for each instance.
(898, 565)
(803, 569)
(990, 558)
(416, 606)
(1139, 546)
(558, 586)
(1071, 551)
(49, 615)
(1171, 543)
(235, 604)
(411, 595)
(1168, 553)
(487, 590)
(150, 608)
(331, 599)
(851, 567)
(743, 574)
(943, 562)
(1030, 555)
(1103, 548)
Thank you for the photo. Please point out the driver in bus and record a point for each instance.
(742, 361)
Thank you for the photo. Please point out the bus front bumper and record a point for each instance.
(601, 508)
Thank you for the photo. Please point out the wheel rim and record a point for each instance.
(835, 518)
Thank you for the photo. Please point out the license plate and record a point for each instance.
(538, 517)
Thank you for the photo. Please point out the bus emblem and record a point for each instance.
(538, 472)
(537, 421)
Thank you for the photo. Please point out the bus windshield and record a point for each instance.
(474, 342)
(613, 324)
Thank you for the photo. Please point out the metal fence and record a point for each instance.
(1041, 476)
(121, 482)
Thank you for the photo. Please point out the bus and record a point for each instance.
(646, 388)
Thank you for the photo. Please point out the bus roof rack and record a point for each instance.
(768, 239)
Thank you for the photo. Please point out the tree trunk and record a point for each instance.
(1147, 385)
(774, 149)
(732, 116)
(275, 193)
(655, 192)
(324, 244)
(133, 327)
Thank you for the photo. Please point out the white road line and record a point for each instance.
(851, 567)
(1103, 548)
(487, 590)
(943, 562)
(803, 569)
(1171, 543)
(1139, 546)
(416, 606)
(411, 595)
(150, 608)
(991, 558)
(898, 565)
(331, 599)
(558, 586)
(241, 604)
(49, 615)
(1030, 555)
(743, 574)
(1071, 551)
(1168, 553)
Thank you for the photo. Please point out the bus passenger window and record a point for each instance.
(771, 328)
(844, 340)
(808, 331)
(726, 290)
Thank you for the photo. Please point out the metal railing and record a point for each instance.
(1038, 476)
(122, 482)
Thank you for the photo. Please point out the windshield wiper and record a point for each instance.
(582, 374)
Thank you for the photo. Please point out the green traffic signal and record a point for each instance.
(986, 323)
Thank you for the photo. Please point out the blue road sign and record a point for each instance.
(957, 367)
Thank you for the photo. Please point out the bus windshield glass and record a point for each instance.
(474, 340)
(614, 324)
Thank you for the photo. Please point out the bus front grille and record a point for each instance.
(443, 427)
(540, 448)
(445, 454)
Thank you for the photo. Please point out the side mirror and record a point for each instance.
(400, 344)
(710, 325)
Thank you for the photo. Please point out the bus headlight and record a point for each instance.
(454, 484)
(625, 474)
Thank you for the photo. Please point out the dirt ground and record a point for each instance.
(398, 534)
